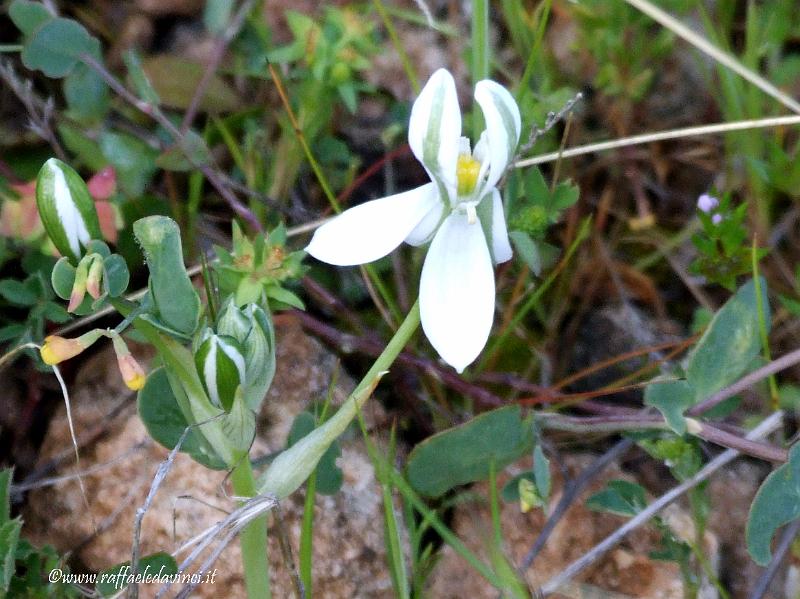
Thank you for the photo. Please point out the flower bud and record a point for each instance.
(252, 328)
(221, 367)
(57, 349)
(95, 276)
(66, 208)
(132, 373)
(79, 286)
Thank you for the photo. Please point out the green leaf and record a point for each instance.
(191, 154)
(5, 498)
(112, 580)
(133, 160)
(9, 537)
(217, 14)
(115, 275)
(776, 503)
(86, 94)
(11, 331)
(165, 422)
(329, 475)
(672, 399)
(541, 472)
(284, 296)
(144, 89)
(464, 454)
(28, 16)
(17, 293)
(730, 343)
(528, 250)
(175, 80)
(619, 497)
(63, 278)
(55, 313)
(176, 301)
(564, 196)
(239, 424)
(55, 47)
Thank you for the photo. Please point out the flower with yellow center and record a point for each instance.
(460, 210)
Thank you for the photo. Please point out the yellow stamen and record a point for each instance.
(467, 171)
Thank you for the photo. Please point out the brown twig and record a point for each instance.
(40, 111)
(221, 45)
(372, 347)
(211, 173)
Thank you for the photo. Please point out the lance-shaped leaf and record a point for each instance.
(221, 367)
(66, 208)
(177, 304)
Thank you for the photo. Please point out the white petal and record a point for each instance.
(503, 126)
(457, 291)
(71, 219)
(372, 229)
(434, 128)
(423, 232)
(501, 248)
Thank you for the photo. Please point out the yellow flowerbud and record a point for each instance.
(57, 349)
(132, 373)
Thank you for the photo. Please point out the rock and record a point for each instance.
(626, 569)
(349, 553)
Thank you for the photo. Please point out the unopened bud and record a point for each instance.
(79, 286)
(66, 208)
(95, 277)
(132, 373)
(221, 367)
(57, 349)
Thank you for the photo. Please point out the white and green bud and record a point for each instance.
(221, 366)
(252, 328)
(66, 208)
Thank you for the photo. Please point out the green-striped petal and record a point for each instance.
(221, 367)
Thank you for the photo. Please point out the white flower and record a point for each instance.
(460, 209)
(707, 203)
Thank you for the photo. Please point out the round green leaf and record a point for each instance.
(165, 422)
(115, 275)
(55, 47)
(27, 15)
(776, 503)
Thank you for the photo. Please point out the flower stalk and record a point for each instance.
(292, 467)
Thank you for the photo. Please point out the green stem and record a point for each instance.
(762, 326)
(499, 341)
(398, 46)
(480, 53)
(292, 467)
(253, 537)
